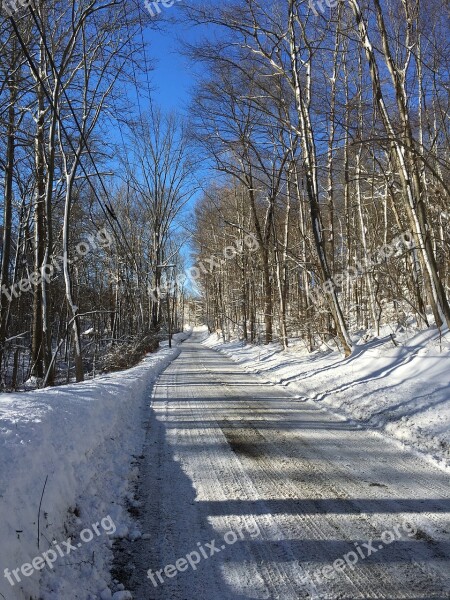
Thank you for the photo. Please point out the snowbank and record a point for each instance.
(80, 438)
(401, 390)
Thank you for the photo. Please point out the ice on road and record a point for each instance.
(248, 493)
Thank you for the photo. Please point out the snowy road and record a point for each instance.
(289, 500)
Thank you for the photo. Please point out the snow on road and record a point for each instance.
(245, 493)
(402, 390)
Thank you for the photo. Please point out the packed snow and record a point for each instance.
(71, 446)
(397, 383)
(228, 452)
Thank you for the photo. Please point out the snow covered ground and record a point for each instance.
(246, 495)
(77, 442)
(402, 390)
(67, 451)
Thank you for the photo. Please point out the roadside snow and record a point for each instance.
(78, 441)
(403, 390)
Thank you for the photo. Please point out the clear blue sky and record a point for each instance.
(173, 74)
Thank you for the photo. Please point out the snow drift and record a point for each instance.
(76, 441)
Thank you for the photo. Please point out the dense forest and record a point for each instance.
(95, 177)
(330, 127)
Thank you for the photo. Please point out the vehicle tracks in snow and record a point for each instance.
(225, 452)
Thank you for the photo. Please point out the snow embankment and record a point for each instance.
(401, 390)
(77, 442)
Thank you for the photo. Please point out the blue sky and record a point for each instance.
(173, 74)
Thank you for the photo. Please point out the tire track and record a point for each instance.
(233, 453)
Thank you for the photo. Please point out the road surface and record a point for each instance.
(248, 493)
